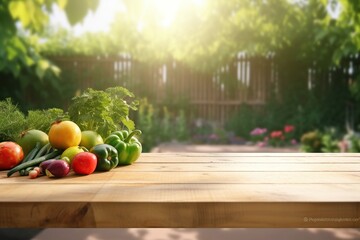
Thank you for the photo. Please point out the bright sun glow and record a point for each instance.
(98, 21)
(101, 19)
(163, 11)
(167, 11)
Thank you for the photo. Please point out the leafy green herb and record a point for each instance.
(42, 119)
(103, 111)
(12, 121)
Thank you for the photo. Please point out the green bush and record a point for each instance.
(12, 121)
(244, 120)
(312, 112)
(330, 140)
(311, 142)
(159, 124)
(146, 118)
(181, 126)
(351, 142)
(42, 119)
(103, 111)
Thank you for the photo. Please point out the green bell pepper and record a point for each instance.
(107, 157)
(128, 146)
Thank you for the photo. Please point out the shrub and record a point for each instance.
(12, 121)
(330, 140)
(311, 142)
(159, 124)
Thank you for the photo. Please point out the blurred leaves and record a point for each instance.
(21, 23)
(29, 13)
(77, 10)
(203, 35)
(24, 70)
(12, 120)
(42, 119)
(41, 67)
(103, 111)
(208, 35)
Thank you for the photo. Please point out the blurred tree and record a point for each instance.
(303, 34)
(210, 34)
(21, 21)
(22, 66)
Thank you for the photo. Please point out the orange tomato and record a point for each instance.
(64, 134)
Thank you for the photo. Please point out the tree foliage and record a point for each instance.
(211, 34)
(300, 33)
(23, 68)
(204, 35)
(21, 23)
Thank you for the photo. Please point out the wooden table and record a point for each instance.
(194, 190)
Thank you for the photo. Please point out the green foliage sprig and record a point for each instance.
(42, 119)
(311, 142)
(12, 121)
(147, 124)
(103, 111)
(159, 124)
(330, 140)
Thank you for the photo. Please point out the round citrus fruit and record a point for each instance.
(90, 138)
(64, 134)
(71, 152)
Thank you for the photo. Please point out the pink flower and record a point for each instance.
(214, 136)
(276, 134)
(343, 145)
(293, 141)
(258, 131)
(289, 128)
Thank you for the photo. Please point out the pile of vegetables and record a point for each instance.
(101, 111)
(57, 142)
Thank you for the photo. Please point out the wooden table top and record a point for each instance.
(194, 190)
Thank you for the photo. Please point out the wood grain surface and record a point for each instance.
(194, 190)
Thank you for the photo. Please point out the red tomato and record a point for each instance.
(84, 163)
(11, 155)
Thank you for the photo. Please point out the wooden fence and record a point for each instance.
(214, 97)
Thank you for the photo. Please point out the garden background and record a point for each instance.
(232, 72)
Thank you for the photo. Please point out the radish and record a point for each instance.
(33, 174)
(38, 170)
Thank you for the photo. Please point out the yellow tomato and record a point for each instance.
(64, 134)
